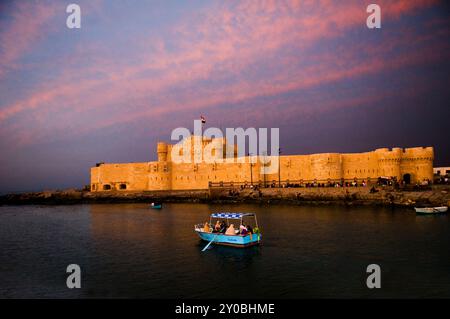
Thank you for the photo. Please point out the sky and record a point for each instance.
(135, 70)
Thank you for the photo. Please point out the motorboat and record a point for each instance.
(431, 210)
(240, 239)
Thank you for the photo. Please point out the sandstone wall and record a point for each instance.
(416, 164)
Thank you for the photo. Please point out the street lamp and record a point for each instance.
(251, 168)
(279, 168)
(264, 165)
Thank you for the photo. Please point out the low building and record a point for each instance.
(441, 171)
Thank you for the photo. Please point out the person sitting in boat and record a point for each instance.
(217, 227)
(242, 227)
(223, 227)
(206, 228)
(231, 230)
(249, 230)
(244, 231)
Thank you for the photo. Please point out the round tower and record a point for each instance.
(162, 152)
(425, 164)
(389, 162)
(417, 164)
(160, 172)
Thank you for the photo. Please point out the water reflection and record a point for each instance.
(230, 254)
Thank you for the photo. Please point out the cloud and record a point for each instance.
(229, 52)
(27, 25)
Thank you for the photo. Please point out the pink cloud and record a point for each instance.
(224, 41)
(25, 30)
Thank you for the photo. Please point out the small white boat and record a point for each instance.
(431, 210)
(156, 205)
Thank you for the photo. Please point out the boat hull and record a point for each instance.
(431, 210)
(229, 240)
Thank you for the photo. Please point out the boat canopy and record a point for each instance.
(231, 215)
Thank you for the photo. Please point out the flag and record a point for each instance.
(202, 118)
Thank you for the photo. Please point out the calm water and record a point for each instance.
(128, 250)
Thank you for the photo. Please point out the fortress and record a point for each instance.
(410, 165)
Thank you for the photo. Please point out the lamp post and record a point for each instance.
(279, 168)
(251, 168)
(264, 165)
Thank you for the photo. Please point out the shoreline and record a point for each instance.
(435, 196)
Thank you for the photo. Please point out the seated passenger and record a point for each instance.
(223, 227)
(206, 228)
(244, 231)
(217, 227)
(241, 227)
(231, 230)
(249, 231)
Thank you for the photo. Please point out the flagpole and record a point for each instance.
(203, 121)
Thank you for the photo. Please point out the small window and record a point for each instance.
(106, 187)
(123, 186)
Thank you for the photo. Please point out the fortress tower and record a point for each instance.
(159, 176)
(162, 152)
(389, 162)
(417, 164)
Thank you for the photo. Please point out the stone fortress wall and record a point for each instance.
(411, 165)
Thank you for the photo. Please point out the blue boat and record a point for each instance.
(156, 205)
(206, 231)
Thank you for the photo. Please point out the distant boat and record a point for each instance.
(431, 210)
(156, 205)
(237, 240)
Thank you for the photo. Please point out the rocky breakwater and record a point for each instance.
(67, 197)
(435, 196)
